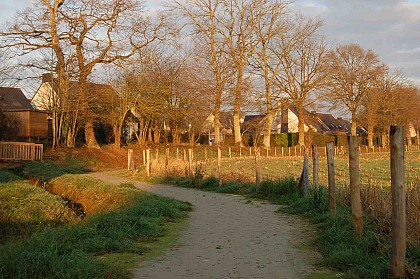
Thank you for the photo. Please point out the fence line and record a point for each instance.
(21, 151)
(234, 153)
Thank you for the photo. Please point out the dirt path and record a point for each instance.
(230, 237)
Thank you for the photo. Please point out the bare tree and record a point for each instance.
(303, 59)
(238, 29)
(102, 33)
(351, 70)
(270, 27)
(83, 34)
(203, 16)
(381, 88)
(36, 29)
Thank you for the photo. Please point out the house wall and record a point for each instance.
(31, 123)
(292, 122)
(43, 98)
(38, 124)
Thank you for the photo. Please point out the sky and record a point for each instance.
(390, 28)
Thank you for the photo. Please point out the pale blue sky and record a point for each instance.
(391, 28)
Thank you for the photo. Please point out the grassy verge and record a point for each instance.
(355, 257)
(87, 248)
(25, 209)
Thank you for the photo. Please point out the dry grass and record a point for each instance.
(90, 195)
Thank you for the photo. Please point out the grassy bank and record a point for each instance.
(356, 257)
(42, 236)
(25, 209)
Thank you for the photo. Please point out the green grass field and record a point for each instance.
(374, 168)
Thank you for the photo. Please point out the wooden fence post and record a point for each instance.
(144, 157)
(148, 162)
(250, 152)
(205, 154)
(219, 165)
(266, 150)
(315, 165)
(190, 160)
(230, 152)
(331, 177)
(257, 168)
(305, 175)
(275, 151)
(185, 155)
(167, 163)
(130, 163)
(399, 242)
(240, 151)
(356, 204)
(177, 154)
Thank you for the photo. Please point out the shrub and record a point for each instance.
(209, 183)
(6, 176)
(280, 140)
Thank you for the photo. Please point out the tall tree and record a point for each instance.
(238, 30)
(381, 87)
(270, 27)
(36, 29)
(303, 60)
(351, 70)
(84, 34)
(203, 16)
(104, 32)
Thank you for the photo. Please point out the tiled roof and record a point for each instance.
(13, 99)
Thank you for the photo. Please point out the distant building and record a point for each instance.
(32, 123)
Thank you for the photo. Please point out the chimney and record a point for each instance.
(46, 78)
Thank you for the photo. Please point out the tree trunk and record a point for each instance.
(117, 135)
(408, 135)
(156, 132)
(70, 141)
(267, 128)
(384, 138)
(217, 126)
(353, 124)
(237, 108)
(90, 135)
(370, 135)
(149, 135)
(301, 125)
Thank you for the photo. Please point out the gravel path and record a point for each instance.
(230, 237)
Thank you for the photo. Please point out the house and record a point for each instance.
(47, 98)
(323, 123)
(47, 95)
(253, 123)
(226, 125)
(32, 123)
